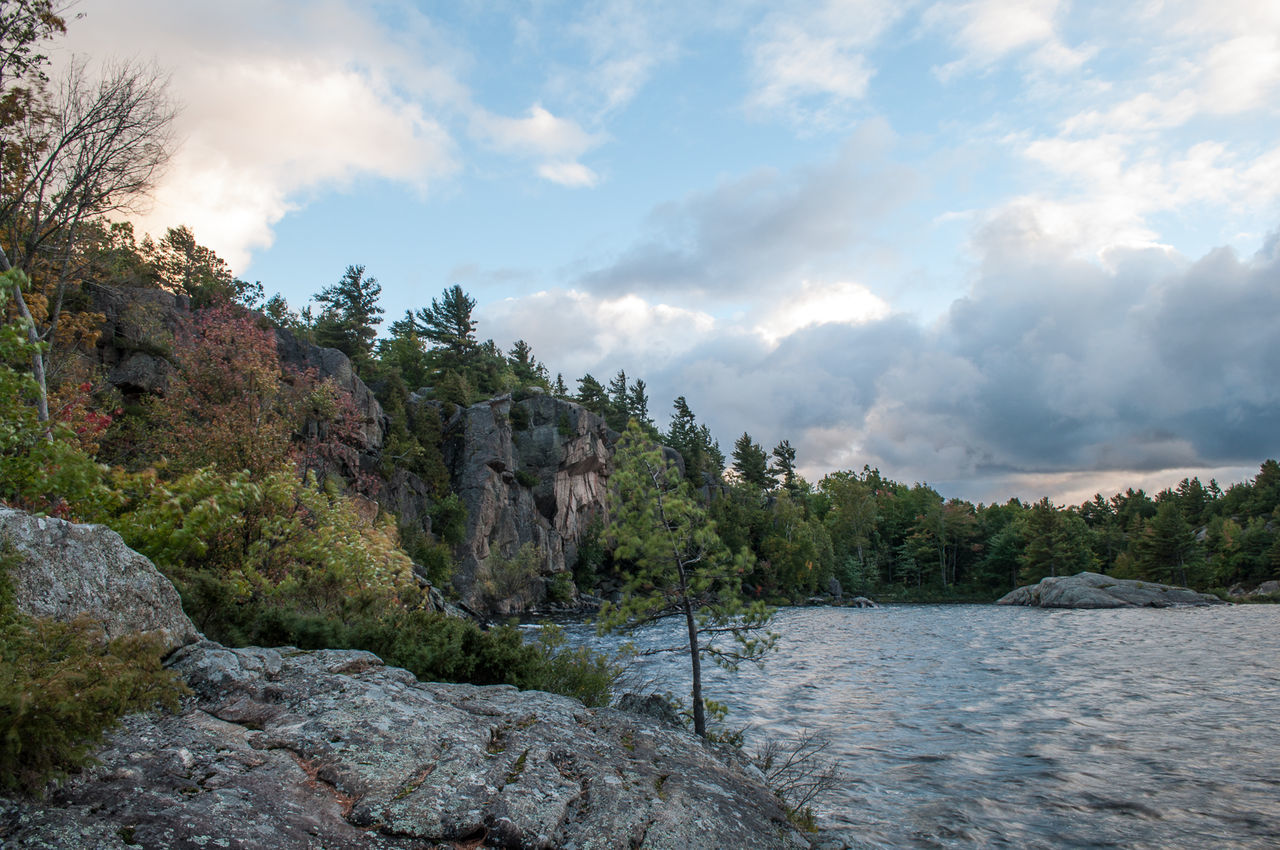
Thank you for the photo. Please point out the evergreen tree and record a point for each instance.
(752, 464)
(638, 404)
(350, 315)
(619, 395)
(784, 465)
(447, 323)
(678, 566)
(528, 371)
(591, 395)
(559, 390)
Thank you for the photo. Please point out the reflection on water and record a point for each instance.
(966, 725)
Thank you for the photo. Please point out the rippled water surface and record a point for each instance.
(968, 725)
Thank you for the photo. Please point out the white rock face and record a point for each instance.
(67, 569)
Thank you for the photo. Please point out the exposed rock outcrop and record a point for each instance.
(1094, 590)
(533, 471)
(1266, 590)
(67, 569)
(331, 749)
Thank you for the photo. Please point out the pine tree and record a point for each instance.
(448, 324)
(784, 456)
(638, 404)
(678, 566)
(351, 314)
(752, 464)
(591, 395)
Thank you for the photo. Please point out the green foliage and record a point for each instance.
(449, 519)
(62, 685)
(351, 314)
(502, 578)
(41, 466)
(234, 539)
(752, 464)
(677, 565)
(527, 478)
(560, 588)
(592, 556)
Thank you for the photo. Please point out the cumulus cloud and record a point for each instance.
(1053, 372)
(280, 100)
(765, 229)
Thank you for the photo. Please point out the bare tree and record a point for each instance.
(798, 770)
(88, 149)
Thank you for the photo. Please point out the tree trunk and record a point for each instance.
(695, 659)
(37, 359)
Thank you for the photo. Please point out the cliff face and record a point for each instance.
(530, 472)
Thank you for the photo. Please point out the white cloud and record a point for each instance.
(818, 304)
(556, 142)
(809, 62)
(987, 31)
(278, 101)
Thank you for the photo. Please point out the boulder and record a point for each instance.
(862, 602)
(330, 749)
(1094, 590)
(66, 569)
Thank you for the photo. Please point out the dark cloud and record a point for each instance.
(1051, 365)
(767, 227)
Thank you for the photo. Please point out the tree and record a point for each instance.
(68, 157)
(448, 324)
(638, 404)
(784, 456)
(591, 395)
(679, 567)
(183, 265)
(752, 464)
(527, 369)
(350, 315)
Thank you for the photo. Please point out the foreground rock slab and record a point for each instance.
(1094, 590)
(331, 749)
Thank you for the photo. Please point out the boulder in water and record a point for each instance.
(1095, 590)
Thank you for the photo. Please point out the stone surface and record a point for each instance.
(330, 749)
(67, 569)
(1094, 590)
(1264, 590)
(542, 480)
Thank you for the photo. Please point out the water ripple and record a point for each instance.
(963, 726)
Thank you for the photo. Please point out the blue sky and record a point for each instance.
(1007, 247)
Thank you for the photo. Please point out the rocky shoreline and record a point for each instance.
(332, 749)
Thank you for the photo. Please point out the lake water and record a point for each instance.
(972, 725)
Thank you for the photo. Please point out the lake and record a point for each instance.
(978, 725)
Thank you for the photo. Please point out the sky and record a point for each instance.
(1003, 247)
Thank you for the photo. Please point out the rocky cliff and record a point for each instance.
(331, 749)
(530, 472)
(1094, 590)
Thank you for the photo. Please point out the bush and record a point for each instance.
(62, 685)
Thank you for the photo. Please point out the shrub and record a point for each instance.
(62, 685)
(526, 478)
